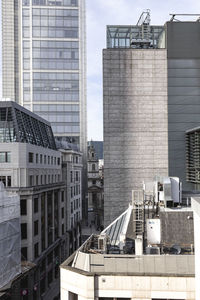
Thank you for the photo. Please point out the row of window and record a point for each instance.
(6, 180)
(75, 205)
(75, 218)
(45, 21)
(50, 53)
(43, 159)
(67, 129)
(23, 206)
(51, 2)
(53, 76)
(53, 96)
(75, 191)
(43, 179)
(56, 108)
(75, 175)
(51, 85)
(53, 45)
(51, 32)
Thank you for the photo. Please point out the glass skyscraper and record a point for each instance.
(44, 62)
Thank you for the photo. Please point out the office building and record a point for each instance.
(151, 97)
(44, 64)
(31, 167)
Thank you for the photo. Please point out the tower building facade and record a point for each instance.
(151, 98)
(44, 62)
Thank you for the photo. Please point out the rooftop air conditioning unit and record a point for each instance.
(102, 242)
(153, 250)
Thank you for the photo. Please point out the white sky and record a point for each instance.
(100, 13)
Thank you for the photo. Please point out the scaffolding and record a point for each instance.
(10, 236)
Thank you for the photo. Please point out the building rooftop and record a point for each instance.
(18, 124)
(87, 260)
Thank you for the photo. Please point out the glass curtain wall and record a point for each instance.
(50, 50)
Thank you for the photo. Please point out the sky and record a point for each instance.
(100, 13)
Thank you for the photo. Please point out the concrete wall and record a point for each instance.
(133, 287)
(135, 123)
(184, 91)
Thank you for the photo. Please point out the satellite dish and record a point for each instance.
(175, 249)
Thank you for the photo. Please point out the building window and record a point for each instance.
(23, 207)
(24, 231)
(45, 179)
(71, 176)
(73, 296)
(35, 205)
(24, 253)
(63, 196)
(41, 179)
(52, 160)
(5, 157)
(62, 212)
(36, 250)
(50, 276)
(41, 158)
(45, 159)
(3, 179)
(48, 160)
(71, 192)
(93, 181)
(77, 159)
(92, 154)
(35, 228)
(37, 179)
(58, 161)
(30, 157)
(31, 180)
(9, 181)
(93, 167)
(72, 222)
(36, 158)
(63, 229)
(71, 207)
(77, 177)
